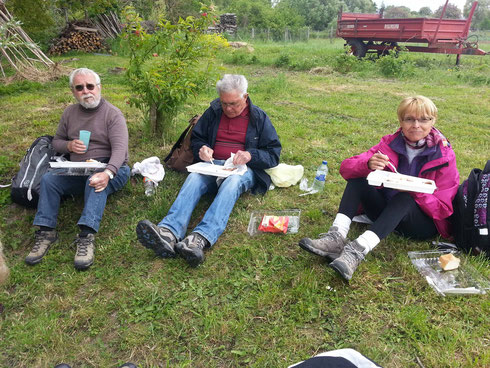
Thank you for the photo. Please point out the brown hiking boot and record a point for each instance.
(42, 242)
(329, 245)
(349, 260)
(84, 258)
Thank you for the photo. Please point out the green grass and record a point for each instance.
(256, 301)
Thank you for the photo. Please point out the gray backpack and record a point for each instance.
(27, 182)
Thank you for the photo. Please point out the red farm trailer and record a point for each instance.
(371, 33)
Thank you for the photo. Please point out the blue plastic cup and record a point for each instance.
(85, 137)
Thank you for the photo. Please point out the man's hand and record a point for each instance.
(206, 153)
(241, 158)
(99, 181)
(378, 161)
(76, 146)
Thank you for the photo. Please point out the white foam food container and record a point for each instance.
(393, 180)
(209, 169)
(77, 165)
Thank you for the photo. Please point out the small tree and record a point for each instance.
(452, 12)
(170, 65)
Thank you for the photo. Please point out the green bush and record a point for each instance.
(282, 61)
(395, 65)
(345, 62)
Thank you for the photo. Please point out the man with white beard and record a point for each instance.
(108, 144)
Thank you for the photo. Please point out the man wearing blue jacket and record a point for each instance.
(232, 124)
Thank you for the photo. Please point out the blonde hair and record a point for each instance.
(418, 105)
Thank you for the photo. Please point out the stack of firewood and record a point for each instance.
(77, 36)
(227, 23)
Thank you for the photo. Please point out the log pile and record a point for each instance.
(77, 36)
(227, 24)
(227, 21)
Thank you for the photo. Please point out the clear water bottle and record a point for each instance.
(321, 173)
(150, 186)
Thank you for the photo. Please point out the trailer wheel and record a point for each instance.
(358, 48)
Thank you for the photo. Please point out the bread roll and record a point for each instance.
(449, 262)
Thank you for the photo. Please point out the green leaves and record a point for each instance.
(166, 67)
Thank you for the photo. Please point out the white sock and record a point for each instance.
(368, 240)
(343, 224)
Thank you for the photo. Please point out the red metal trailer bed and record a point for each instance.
(372, 33)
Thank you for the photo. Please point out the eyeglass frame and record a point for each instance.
(411, 120)
(89, 86)
(233, 104)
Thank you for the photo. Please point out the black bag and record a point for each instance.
(27, 182)
(471, 217)
(181, 155)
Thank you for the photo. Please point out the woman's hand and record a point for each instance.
(378, 161)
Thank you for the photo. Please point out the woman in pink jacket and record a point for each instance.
(417, 149)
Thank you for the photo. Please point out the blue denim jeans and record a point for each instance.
(54, 187)
(216, 217)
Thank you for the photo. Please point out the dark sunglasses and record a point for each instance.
(89, 86)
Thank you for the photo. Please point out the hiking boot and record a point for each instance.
(84, 258)
(329, 245)
(191, 249)
(159, 239)
(42, 242)
(351, 257)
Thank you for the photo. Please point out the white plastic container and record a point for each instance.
(402, 182)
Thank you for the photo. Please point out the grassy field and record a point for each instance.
(256, 301)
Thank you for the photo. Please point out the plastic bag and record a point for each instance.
(284, 175)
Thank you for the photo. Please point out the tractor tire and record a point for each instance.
(358, 48)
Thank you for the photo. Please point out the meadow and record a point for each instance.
(256, 301)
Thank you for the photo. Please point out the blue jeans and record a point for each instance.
(216, 217)
(54, 187)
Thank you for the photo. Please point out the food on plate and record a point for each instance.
(274, 224)
(91, 160)
(449, 262)
(229, 168)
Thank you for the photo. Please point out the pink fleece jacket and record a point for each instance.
(442, 170)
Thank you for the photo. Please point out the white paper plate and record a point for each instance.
(399, 181)
(209, 169)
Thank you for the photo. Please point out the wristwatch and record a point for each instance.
(110, 173)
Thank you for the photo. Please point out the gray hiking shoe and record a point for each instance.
(42, 242)
(84, 258)
(349, 260)
(329, 245)
(159, 239)
(192, 249)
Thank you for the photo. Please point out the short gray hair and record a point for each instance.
(83, 71)
(232, 82)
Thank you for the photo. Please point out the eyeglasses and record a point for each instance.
(230, 104)
(89, 86)
(411, 120)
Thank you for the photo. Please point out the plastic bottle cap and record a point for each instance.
(324, 162)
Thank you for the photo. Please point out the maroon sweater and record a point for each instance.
(231, 135)
(109, 133)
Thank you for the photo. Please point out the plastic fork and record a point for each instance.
(389, 163)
